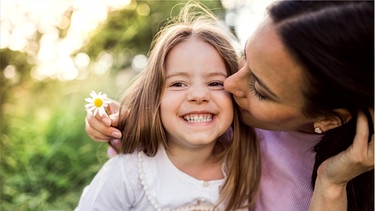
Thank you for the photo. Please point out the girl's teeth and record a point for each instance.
(198, 118)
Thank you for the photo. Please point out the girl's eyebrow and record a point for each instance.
(176, 74)
(184, 74)
(218, 74)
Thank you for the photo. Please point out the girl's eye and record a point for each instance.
(255, 91)
(178, 84)
(216, 83)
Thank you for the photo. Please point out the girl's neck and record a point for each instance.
(200, 163)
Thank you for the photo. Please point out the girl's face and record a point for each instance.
(269, 87)
(195, 108)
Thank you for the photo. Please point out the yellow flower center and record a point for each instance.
(98, 102)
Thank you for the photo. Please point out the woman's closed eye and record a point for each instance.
(256, 92)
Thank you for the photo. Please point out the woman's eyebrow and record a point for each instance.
(244, 50)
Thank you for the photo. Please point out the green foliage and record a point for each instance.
(46, 156)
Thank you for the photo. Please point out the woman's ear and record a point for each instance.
(332, 121)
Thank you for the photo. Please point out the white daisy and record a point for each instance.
(97, 103)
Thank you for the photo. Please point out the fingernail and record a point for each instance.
(107, 121)
(114, 116)
(115, 141)
(116, 134)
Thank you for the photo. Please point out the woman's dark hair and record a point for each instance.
(334, 42)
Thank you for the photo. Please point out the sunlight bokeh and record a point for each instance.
(22, 20)
(248, 17)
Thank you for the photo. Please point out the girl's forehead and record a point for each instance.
(194, 55)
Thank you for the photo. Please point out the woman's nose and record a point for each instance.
(236, 84)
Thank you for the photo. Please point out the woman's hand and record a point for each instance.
(102, 128)
(357, 159)
(335, 172)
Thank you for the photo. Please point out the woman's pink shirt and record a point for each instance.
(287, 164)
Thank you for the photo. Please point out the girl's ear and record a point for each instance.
(333, 121)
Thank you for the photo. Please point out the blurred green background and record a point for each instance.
(52, 54)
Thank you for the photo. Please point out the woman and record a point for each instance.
(307, 82)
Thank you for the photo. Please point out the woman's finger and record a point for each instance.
(362, 133)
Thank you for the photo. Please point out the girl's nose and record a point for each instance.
(198, 95)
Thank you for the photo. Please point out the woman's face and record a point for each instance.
(269, 87)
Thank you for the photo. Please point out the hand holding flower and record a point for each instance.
(101, 127)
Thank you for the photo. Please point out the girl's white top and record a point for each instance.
(138, 182)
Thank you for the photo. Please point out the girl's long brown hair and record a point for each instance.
(142, 128)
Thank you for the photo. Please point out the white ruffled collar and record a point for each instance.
(168, 188)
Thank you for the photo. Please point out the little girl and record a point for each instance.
(183, 146)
